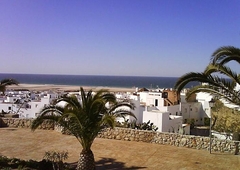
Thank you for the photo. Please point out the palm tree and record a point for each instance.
(213, 76)
(212, 83)
(85, 119)
(7, 82)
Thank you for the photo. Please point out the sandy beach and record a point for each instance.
(52, 87)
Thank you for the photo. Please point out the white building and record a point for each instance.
(162, 112)
(164, 121)
(33, 108)
(27, 106)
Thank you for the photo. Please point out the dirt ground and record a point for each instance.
(113, 154)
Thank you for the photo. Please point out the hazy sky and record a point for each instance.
(115, 37)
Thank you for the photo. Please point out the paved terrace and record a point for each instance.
(112, 154)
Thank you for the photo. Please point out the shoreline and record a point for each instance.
(54, 87)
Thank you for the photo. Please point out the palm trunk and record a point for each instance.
(86, 160)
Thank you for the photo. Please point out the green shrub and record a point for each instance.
(141, 126)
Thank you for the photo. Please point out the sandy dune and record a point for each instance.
(44, 87)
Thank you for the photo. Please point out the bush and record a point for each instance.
(15, 163)
(141, 126)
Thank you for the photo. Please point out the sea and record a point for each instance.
(95, 80)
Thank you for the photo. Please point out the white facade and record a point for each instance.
(204, 98)
(163, 120)
(193, 111)
(138, 112)
(8, 107)
(29, 106)
(166, 118)
(173, 110)
(151, 98)
(34, 107)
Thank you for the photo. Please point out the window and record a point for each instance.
(9, 108)
(156, 102)
(176, 113)
(36, 105)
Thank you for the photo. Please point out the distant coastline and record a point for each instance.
(94, 80)
(66, 88)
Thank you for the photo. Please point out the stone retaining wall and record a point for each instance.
(24, 123)
(174, 139)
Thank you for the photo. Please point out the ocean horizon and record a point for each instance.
(96, 80)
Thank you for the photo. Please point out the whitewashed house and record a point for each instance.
(33, 108)
(163, 110)
(138, 112)
(26, 104)
(164, 121)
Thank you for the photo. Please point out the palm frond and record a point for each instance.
(52, 109)
(108, 121)
(84, 119)
(7, 82)
(193, 77)
(229, 95)
(226, 71)
(39, 120)
(225, 54)
(70, 100)
(123, 113)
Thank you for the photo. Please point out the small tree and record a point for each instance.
(85, 118)
(56, 158)
(7, 82)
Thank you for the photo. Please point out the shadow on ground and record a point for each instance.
(9, 129)
(113, 164)
(109, 164)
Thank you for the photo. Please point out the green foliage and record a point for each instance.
(56, 158)
(7, 82)
(191, 122)
(206, 121)
(227, 120)
(141, 126)
(3, 161)
(219, 79)
(86, 117)
(15, 163)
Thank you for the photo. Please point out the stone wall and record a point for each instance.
(174, 139)
(24, 123)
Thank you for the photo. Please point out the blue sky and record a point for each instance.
(115, 37)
